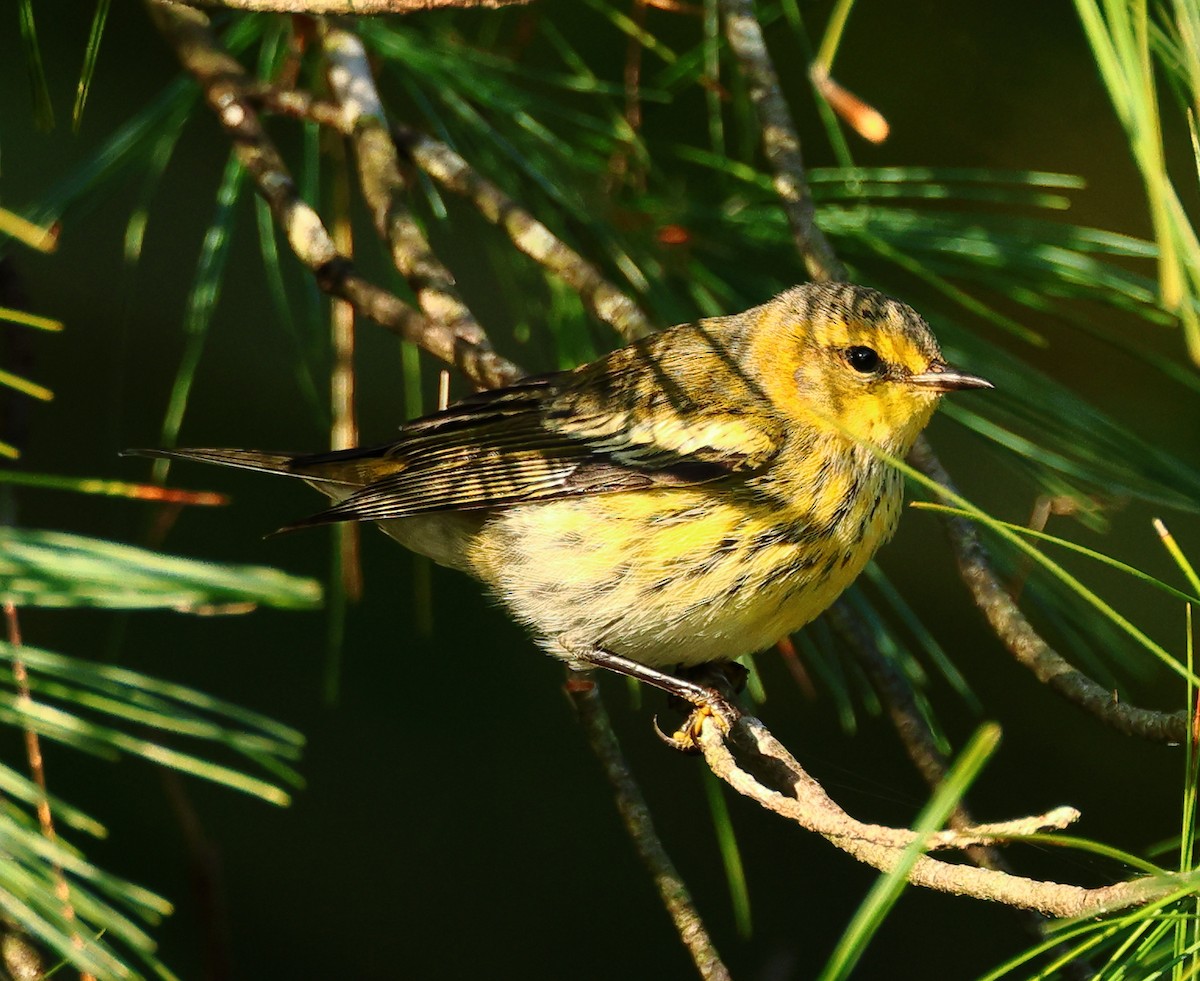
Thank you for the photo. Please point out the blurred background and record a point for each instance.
(454, 822)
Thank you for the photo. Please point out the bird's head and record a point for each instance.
(846, 358)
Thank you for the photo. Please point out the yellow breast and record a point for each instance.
(687, 575)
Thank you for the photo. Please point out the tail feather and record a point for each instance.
(327, 517)
(277, 463)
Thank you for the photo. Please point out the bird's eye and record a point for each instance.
(864, 359)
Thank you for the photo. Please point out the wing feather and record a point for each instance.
(634, 420)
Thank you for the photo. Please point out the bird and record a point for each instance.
(684, 500)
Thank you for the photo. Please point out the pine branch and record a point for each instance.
(1024, 643)
(226, 86)
(780, 140)
(756, 764)
(635, 814)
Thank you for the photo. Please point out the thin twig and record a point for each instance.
(781, 142)
(207, 875)
(600, 297)
(1024, 643)
(296, 103)
(915, 735)
(585, 696)
(226, 85)
(37, 769)
(778, 783)
(343, 432)
(899, 700)
(528, 234)
(383, 187)
(618, 166)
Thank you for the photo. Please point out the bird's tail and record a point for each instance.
(330, 472)
(287, 464)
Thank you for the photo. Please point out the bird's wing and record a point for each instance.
(602, 429)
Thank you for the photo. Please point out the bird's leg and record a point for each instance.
(708, 700)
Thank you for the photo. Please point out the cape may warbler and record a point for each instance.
(694, 496)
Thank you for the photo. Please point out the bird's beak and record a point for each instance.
(940, 377)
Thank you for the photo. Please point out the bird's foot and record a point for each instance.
(706, 692)
(712, 690)
(686, 739)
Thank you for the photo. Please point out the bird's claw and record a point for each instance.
(683, 739)
(686, 739)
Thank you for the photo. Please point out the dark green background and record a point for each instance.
(455, 823)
